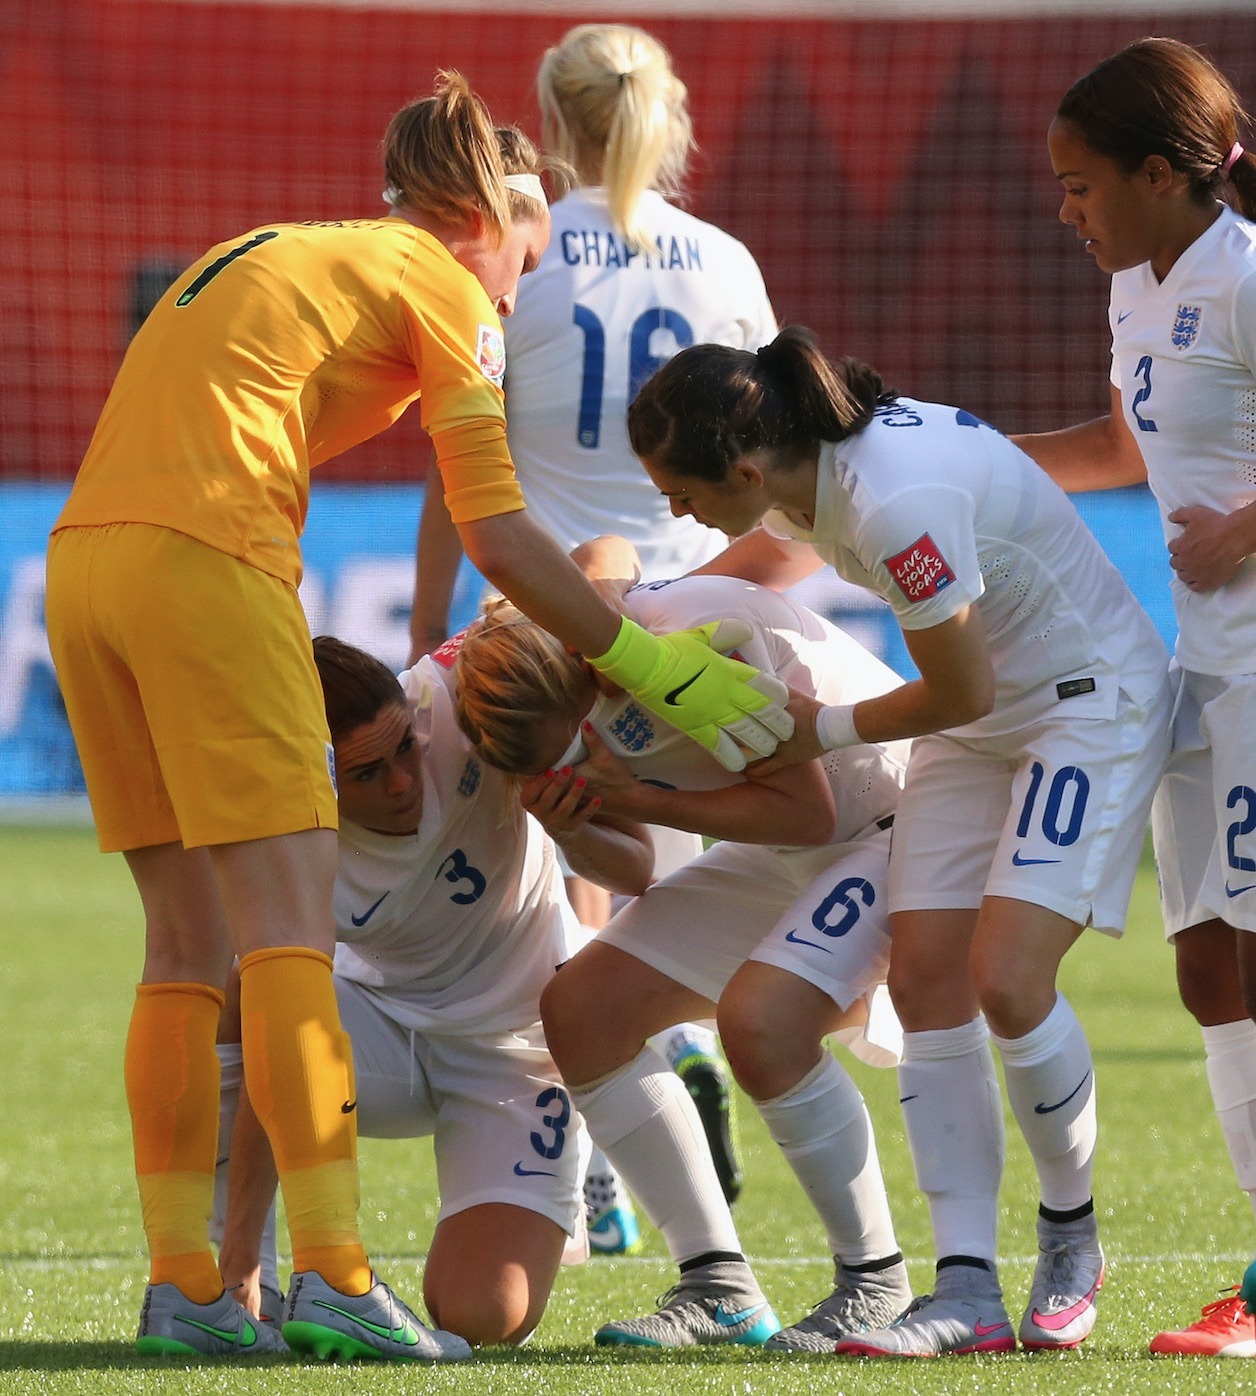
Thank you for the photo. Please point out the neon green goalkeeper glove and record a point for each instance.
(686, 680)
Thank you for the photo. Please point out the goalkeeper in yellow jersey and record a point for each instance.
(187, 671)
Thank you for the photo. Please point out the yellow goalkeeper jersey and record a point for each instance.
(278, 350)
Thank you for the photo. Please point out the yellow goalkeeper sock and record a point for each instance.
(298, 1067)
(172, 1090)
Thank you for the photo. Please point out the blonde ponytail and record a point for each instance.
(613, 108)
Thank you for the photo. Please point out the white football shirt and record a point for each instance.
(1184, 359)
(933, 510)
(799, 647)
(592, 323)
(461, 924)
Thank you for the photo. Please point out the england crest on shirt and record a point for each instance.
(632, 729)
(469, 782)
(1186, 326)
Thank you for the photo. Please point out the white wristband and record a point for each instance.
(835, 727)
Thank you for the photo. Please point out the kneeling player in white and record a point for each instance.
(450, 919)
(781, 924)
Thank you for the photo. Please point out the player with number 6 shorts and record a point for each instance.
(780, 929)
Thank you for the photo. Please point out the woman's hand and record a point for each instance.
(246, 1292)
(608, 776)
(565, 800)
(559, 801)
(1211, 546)
(804, 745)
(612, 566)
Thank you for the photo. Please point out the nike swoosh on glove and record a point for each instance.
(686, 679)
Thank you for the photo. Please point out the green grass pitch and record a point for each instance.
(1174, 1224)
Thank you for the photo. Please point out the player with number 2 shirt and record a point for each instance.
(1143, 191)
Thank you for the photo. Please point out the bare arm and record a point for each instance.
(1097, 455)
(615, 852)
(525, 564)
(439, 553)
(759, 557)
(611, 564)
(794, 807)
(956, 686)
(251, 1179)
(956, 683)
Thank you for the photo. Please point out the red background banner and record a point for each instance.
(890, 176)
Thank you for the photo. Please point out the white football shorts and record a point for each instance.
(1204, 817)
(1054, 814)
(819, 913)
(503, 1125)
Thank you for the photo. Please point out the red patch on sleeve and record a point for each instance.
(447, 653)
(920, 570)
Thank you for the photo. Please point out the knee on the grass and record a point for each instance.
(486, 1317)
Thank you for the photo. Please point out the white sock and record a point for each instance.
(954, 1119)
(644, 1119)
(1230, 1057)
(823, 1129)
(231, 1064)
(1051, 1085)
(684, 1039)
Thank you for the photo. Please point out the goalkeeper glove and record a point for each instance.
(685, 679)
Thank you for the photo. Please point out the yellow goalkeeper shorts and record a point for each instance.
(189, 681)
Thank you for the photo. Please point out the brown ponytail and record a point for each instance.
(711, 405)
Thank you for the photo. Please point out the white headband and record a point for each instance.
(528, 184)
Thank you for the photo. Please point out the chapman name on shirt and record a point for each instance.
(595, 247)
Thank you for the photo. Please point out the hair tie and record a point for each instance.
(1229, 162)
(392, 196)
